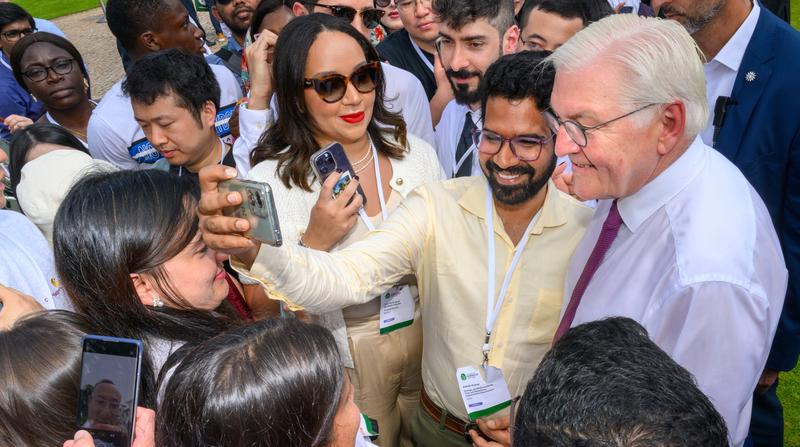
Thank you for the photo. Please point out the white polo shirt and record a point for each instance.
(116, 137)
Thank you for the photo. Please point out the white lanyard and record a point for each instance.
(421, 54)
(492, 311)
(384, 213)
(5, 64)
(221, 157)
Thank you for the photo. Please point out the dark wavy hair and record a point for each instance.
(26, 139)
(457, 13)
(519, 76)
(18, 52)
(277, 382)
(111, 225)
(293, 127)
(40, 378)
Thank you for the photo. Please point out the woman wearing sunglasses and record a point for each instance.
(330, 89)
(51, 69)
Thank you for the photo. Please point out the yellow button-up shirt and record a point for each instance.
(439, 234)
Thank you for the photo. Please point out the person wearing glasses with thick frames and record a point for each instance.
(330, 89)
(438, 234)
(15, 23)
(50, 68)
(680, 240)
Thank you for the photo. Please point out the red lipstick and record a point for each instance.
(353, 118)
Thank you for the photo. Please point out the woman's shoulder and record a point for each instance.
(421, 160)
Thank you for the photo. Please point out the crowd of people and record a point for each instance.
(561, 223)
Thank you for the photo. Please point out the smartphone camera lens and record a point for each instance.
(260, 202)
(251, 199)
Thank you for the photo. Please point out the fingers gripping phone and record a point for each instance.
(258, 208)
(110, 374)
(330, 158)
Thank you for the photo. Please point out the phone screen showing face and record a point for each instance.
(110, 372)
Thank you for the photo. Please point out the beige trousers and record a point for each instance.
(387, 377)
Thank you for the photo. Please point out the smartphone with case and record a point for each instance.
(626, 10)
(111, 370)
(327, 160)
(258, 208)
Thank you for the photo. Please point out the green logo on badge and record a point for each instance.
(463, 376)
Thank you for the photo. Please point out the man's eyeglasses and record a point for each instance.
(370, 16)
(331, 88)
(15, 34)
(524, 147)
(577, 131)
(39, 74)
(406, 5)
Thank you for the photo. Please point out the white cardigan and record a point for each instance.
(419, 166)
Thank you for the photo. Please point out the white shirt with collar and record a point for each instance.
(697, 262)
(448, 132)
(116, 137)
(722, 70)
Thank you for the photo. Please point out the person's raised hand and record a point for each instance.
(259, 65)
(15, 306)
(15, 123)
(220, 232)
(498, 429)
(563, 180)
(439, 73)
(332, 218)
(144, 431)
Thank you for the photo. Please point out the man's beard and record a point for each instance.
(516, 194)
(238, 27)
(461, 92)
(694, 24)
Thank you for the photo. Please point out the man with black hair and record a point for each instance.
(237, 15)
(175, 99)
(412, 48)
(547, 24)
(473, 34)
(439, 234)
(15, 23)
(605, 383)
(144, 27)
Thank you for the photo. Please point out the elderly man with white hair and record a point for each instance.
(680, 241)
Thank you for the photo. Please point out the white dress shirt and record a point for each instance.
(448, 132)
(721, 71)
(697, 262)
(116, 137)
(403, 94)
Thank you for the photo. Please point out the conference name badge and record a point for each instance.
(397, 309)
(482, 394)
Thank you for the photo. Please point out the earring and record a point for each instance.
(157, 302)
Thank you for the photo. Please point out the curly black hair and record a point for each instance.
(519, 76)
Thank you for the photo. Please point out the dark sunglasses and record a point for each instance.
(222, 2)
(370, 16)
(331, 88)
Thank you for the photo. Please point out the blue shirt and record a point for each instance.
(14, 100)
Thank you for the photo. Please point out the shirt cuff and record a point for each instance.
(266, 261)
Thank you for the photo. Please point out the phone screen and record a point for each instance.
(110, 372)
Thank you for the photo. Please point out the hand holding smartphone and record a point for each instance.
(109, 389)
(258, 208)
(330, 159)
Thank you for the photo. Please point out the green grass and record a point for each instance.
(789, 389)
(50, 9)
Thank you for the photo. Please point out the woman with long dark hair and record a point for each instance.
(275, 383)
(130, 257)
(330, 88)
(40, 378)
(51, 69)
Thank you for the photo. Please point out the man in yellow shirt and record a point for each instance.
(488, 304)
